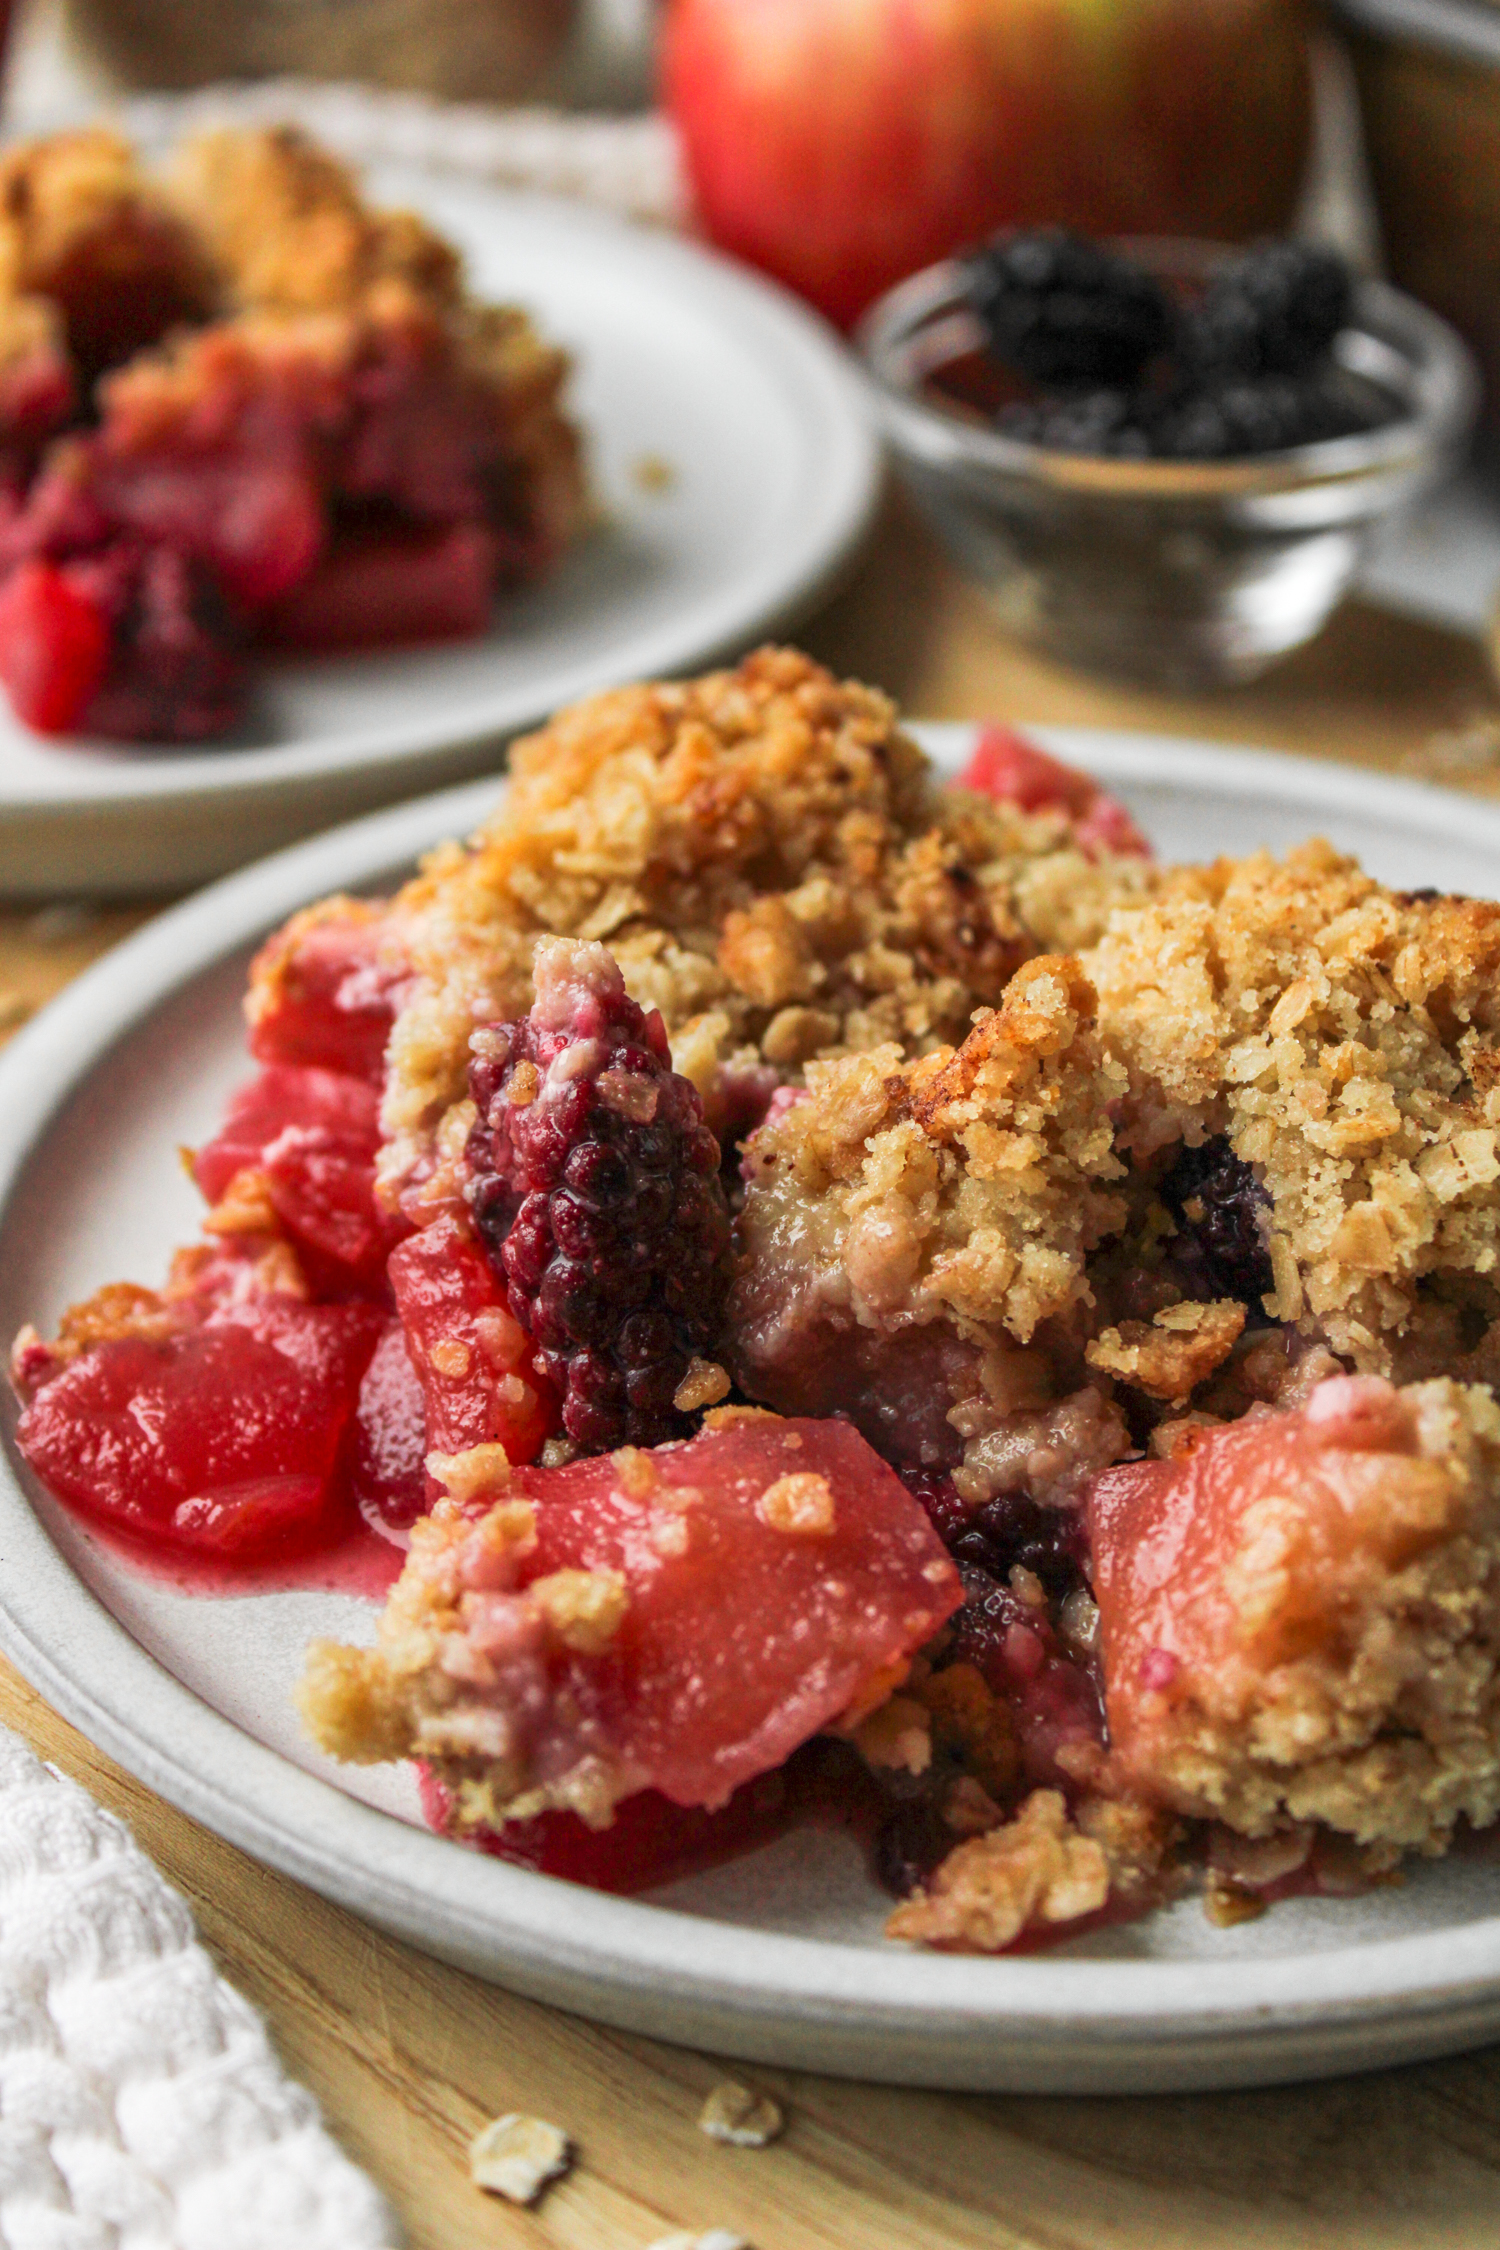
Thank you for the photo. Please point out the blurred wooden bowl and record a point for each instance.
(1429, 87)
(465, 50)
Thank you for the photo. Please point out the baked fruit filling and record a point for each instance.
(856, 1294)
(240, 409)
(680, 1619)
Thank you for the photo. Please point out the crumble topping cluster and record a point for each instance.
(1341, 1038)
(956, 1197)
(769, 860)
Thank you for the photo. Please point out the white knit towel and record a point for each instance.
(141, 2106)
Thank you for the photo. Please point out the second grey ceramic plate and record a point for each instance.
(732, 452)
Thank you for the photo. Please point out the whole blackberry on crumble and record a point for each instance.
(1273, 310)
(1220, 1208)
(595, 1187)
(1066, 311)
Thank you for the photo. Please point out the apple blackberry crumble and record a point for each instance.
(846, 1289)
(240, 409)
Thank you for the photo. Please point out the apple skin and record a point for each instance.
(841, 144)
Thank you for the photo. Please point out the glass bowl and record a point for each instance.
(1177, 574)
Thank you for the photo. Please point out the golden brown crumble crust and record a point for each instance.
(968, 1186)
(1343, 1037)
(78, 203)
(1047, 1865)
(93, 260)
(769, 859)
(288, 232)
(1340, 1037)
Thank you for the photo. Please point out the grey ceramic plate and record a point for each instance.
(779, 1955)
(732, 450)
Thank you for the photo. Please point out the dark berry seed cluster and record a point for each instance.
(595, 1187)
(1273, 310)
(1221, 1210)
(1106, 422)
(1002, 1533)
(1066, 312)
(1129, 372)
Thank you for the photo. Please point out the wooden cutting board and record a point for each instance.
(409, 2058)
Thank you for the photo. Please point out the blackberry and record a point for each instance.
(594, 1185)
(1103, 422)
(909, 1843)
(177, 666)
(1273, 310)
(980, 1629)
(1219, 1206)
(1065, 311)
(1235, 420)
(1000, 1533)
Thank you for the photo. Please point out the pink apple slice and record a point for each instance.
(678, 1620)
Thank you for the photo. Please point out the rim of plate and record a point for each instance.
(790, 341)
(625, 1957)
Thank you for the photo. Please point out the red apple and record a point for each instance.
(840, 144)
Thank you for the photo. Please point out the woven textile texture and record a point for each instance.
(141, 2106)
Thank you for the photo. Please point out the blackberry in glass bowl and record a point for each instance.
(1163, 460)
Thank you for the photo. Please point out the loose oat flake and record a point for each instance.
(744, 2119)
(516, 2156)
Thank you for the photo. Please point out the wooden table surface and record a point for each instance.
(409, 2058)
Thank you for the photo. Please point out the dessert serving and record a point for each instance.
(846, 1298)
(240, 409)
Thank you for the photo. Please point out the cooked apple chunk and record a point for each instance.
(678, 1619)
(1300, 1615)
